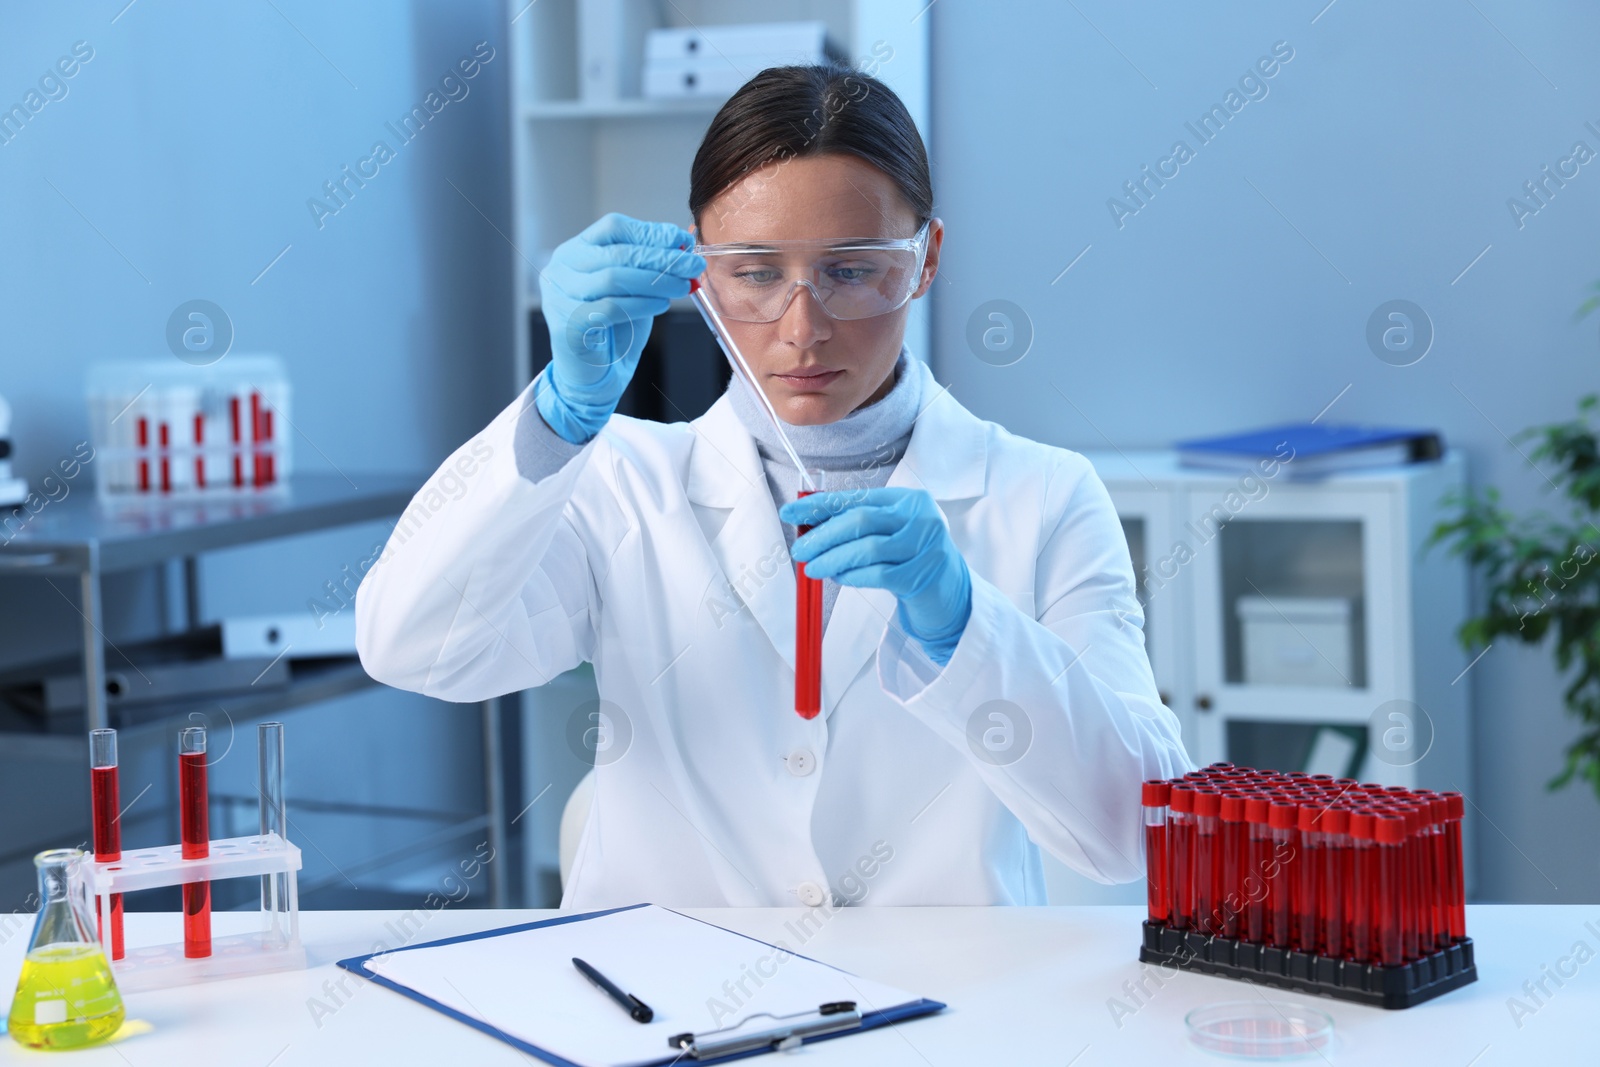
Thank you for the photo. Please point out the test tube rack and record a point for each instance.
(275, 947)
(1307, 882)
(1404, 986)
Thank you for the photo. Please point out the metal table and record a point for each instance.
(87, 538)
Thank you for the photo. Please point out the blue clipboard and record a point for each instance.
(869, 1020)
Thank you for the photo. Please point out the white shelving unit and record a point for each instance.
(584, 142)
(1201, 540)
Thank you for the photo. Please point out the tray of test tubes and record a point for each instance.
(1307, 882)
(166, 430)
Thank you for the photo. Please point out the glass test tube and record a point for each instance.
(274, 820)
(1207, 860)
(1389, 832)
(106, 808)
(1257, 887)
(808, 628)
(1455, 888)
(1357, 884)
(1153, 798)
(1180, 835)
(1437, 881)
(195, 829)
(1308, 882)
(1235, 861)
(1281, 820)
(1336, 857)
(1422, 872)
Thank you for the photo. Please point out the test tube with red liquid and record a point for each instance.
(808, 628)
(1257, 888)
(104, 803)
(1180, 837)
(1281, 820)
(1388, 833)
(1153, 799)
(1336, 858)
(1235, 861)
(1308, 870)
(1207, 860)
(194, 825)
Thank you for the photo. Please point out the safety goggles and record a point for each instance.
(852, 278)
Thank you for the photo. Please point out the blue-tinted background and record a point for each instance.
(1378, 166)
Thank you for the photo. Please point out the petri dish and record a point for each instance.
(1259, 1029)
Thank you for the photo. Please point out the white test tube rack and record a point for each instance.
(274, 947)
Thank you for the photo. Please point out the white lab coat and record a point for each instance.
(657, 554)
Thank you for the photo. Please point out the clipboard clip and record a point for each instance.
(789, 1032)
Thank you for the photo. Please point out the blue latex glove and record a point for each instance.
(600, 294)
(890, 538)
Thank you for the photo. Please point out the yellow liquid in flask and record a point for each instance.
(66, 998)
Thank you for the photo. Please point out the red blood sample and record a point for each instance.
(1154, 798)
(1180, 839)
(196, 834)
(807, 638)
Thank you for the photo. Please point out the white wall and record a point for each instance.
(1388, 147)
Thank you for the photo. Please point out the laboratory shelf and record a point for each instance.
(88, 537)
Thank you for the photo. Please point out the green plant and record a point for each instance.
(1540, 573)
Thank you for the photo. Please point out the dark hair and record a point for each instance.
(789, 112)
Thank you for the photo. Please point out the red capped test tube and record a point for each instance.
(1257, 887)
(1281, 820)
(195, 830)
(1308, 867)
(1235, 861)
(1180, 840)
(1357, 884)
(1154, 796)
(1389, 832)
(104, 802)
(1455, 891)
(1336, 858)
(1207, 860)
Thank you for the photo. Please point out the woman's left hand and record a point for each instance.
(891, 538)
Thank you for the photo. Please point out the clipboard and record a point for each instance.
(688, 1035)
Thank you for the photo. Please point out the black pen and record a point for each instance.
(638, 1009)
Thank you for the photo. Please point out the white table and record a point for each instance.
(1024, 986)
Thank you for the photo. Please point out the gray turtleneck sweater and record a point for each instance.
(859, 451)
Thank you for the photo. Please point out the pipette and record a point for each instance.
(725, 341)
(808, 591)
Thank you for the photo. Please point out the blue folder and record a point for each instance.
(358, 965)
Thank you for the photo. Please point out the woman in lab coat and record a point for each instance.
(985, 688)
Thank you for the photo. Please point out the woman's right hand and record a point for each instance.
(600, 294)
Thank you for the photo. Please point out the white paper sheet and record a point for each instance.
(687, 971)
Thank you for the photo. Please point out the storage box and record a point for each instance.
(1287, 640)
(714, 61)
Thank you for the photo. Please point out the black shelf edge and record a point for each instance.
(1393, 988)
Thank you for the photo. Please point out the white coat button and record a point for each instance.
(801, 762)
(810, 894)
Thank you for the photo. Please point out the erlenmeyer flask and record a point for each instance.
(66, 996)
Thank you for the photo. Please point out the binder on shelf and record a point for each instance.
(1315, 448)
(708, 61)
(715, 995)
